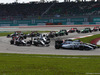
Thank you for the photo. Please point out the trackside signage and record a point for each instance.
(41, 20)
(78, 20)
(23, 21)
(6, 22)
(96, 19)
(59, 20)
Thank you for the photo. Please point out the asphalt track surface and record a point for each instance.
(5, 46)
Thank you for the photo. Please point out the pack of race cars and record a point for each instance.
(18, 38)
(43, 39)
(85, 30)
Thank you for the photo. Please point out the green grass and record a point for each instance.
(5, 33)
(30, 64)
(90, 38)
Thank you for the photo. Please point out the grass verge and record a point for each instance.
(90, 38)
(5, 33)
(30, 64)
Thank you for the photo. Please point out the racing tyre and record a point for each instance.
(12, 42)
(56, 35)
(58, 44)
(66, 33)
(8, 36)
(90, 31)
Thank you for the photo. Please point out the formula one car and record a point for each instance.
(96, 28)
(19, 40)
(86, 30)
(61, 32)
(43, 40)
(33, 34)
(52, 34)
(16, 33)
(73, 30)
(70, 44)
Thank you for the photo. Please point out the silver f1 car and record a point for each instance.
(70, 44)
(43, 40)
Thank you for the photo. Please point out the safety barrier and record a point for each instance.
(41, 22)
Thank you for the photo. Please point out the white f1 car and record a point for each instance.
(43, 40)
(77, 44)
(19, 40)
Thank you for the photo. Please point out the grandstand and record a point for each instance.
(79, 12)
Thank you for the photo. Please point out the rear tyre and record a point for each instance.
(12, 42)
(58, 44)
